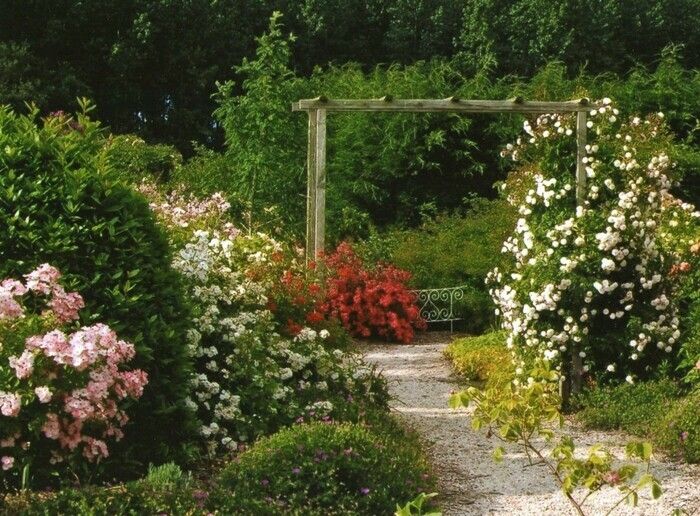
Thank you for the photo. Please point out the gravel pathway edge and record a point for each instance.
(470, 482)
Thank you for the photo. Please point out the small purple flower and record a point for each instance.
(684, 436)
(265, 482)
(347, 452)
(200, 497)
(296, 470)
(300, 419)
(364, 491)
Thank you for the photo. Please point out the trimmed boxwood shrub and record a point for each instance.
(322, 469)
(60, 203)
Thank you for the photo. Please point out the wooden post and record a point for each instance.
(320, 184)
(311, 187)
(575, 378)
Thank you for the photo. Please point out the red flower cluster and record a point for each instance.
(297, 298)
(370, 302)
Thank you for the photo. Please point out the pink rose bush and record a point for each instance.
(62, 396)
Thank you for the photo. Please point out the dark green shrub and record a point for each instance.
(59, 203)
(320, 469)
(134, 159)
(166, 490)
(679, 431)
(635, 408)
(482, 359)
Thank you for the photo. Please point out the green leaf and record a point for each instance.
(498, 454)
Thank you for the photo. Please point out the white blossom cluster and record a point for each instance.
(590, 279)
(249, 378)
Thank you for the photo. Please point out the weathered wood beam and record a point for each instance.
(451, 104)
(311, 187)
(320, 184)
(581, 140)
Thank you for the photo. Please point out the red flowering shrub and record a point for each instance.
(373, 302)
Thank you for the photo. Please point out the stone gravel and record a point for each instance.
(470, 482)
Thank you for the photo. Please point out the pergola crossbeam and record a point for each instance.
(448, 105)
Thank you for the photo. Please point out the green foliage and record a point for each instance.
(166, 489)
(679, 430)
(634, 408)
(59, 203)
(134, 159)
(259, 129)
(322, 469)
(482, 359)
(388, 169)
(517, 37)
(415, 506)
(152, 65)
(20, 78)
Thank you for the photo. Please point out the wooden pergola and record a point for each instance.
(318, 108)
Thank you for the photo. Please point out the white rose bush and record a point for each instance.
(600, 279)
(592, 279)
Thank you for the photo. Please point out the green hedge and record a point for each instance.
(60, 204)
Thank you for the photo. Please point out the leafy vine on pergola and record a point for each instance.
(318, 108)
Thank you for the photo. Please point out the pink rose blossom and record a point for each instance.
(91, 407)
(53, 344)
(9, 442)
(66, 305)
(51, 428)
(24, 365)
(10, 404)
(7, 462)
(9, 307)
(43, 393)
(43, 279)
(95, 449)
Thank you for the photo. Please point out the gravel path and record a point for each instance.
(470, 482)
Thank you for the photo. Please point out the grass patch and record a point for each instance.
(679, 431)
(635, 408)
(656, 410)
(482, 359)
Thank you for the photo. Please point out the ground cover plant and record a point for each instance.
(323, 468)
(659, 411)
